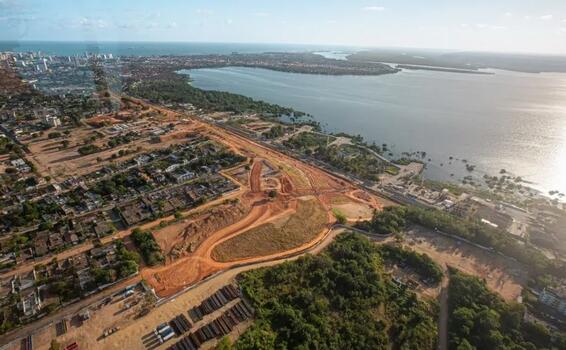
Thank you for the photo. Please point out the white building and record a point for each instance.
(30, 303)
(52, 121)
(21, 165)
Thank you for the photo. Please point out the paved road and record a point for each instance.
(443, 317)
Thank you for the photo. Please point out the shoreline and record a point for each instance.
(437, 169)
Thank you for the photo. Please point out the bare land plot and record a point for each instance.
(184, 237)
(301, 227)
(51, 157)
(501, 275)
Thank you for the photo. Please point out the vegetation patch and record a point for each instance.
(150, 250)
(422, 264)
(394, 219)
(355, 159)
(302, 227)
(480, 319)
(389, 221)
(178, 90)
(340, 299)
(88, 149)
(340, 216)
(309, 141)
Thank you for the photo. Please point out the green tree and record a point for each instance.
(224, 344)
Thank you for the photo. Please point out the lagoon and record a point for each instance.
(508, 120)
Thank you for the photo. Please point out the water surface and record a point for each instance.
(515, 121)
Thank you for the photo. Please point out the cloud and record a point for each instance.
(374, 8)
(18, 18)
(151, 25)
(204, 12)
(172, 25)
(546, 17)
(229, 21)
(16, 11)
(508, 14)
(528, 18)
(490, 26)
(126, 25)
(261, 14)
(89, 23)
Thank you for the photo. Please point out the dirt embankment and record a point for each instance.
(184, 237)
(284, 234)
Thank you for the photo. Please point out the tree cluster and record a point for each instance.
(339, 299)
(422, 264)
(150, 250)
(391, 220)
(180, 91)
(480, 319)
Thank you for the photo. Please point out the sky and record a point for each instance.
(482, 25)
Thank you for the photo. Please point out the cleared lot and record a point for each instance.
(501, 275)
(290, 232)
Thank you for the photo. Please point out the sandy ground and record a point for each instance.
(501, 275)
(410, 169)
(355, 211)
(289, 232)
(50, 158)
(184, 237)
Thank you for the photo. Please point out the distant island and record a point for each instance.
(474, 61)
(440, 69)
(305, 63)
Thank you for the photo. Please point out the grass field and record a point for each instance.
(300, 228)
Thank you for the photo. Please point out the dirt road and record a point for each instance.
(255, 177)
(297, 179)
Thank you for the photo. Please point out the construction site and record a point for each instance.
(272, 207)
(279, 208)
(284, 206)
(276, 208)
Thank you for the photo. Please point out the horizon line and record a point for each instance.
(350, 46)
